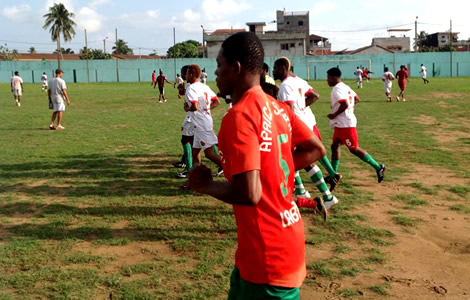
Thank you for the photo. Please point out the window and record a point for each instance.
(288, 22)
(284, 46)
(300, 44)
(292, 45)
(301, 23)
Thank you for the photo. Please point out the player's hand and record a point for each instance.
(199, 177)
(331, 116)
(68, 102)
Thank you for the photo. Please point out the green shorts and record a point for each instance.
(244, 290)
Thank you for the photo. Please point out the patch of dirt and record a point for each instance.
(444, 95)
(445, 104)
(425, 120)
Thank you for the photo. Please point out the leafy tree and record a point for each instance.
(184, 49)
(121, 48)
(93, 54)
(65, 51)
(60, 21)
(6, 54)
(32, 50)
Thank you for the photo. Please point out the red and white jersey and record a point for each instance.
(44, 79)
(293, 90)
(424, 70)
(388, 77)
(200, 93)
(16, 82)
(358, 73)
(343, 93)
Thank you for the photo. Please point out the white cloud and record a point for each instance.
(17, 13)
(322, 8)
(67, 3)
(140, 20)
(96, 3)
(218, 10)
(89, 19)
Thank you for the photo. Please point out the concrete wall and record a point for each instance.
(312, 67)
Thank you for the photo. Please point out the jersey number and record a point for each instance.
(282, 139)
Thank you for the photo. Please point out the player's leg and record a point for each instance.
(333, 177)
(335, 150)
(360, 83)
(51, 125)
(299, 186)
(60, 115)
(316, 176)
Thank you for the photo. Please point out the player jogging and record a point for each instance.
(402, 78)
(424, 71)
(299, 95)
(259, 166)
(359, 75)
(161, 86)
(387, 78)
(200, 99)
(154, 79)
(44, 82)
(343, 121)
(17, 87)
(203, 77)
(178, 82)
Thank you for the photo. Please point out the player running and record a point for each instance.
(343, 121)
(203, 77)
(161, 86)
(299, 95)
(17, 87)
(359, 75)
(387, 78)
(44, 82)
(402, 78)
(200, 99)
(424, 71)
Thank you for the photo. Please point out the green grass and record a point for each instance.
(95, 209)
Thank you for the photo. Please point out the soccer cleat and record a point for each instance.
(51, 127)
(184, 187)
(165, 100)
(16, 100)
(398, 99)
(316, 204)
(305, 195)
(404, 100)
(220, 171)
(333, 201)
(160, 101)
(60, 127)
(381, 173)
(182, 174)
(19, 104)
(333, 182)
(179, 164)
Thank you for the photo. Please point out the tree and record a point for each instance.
(64, 51)
(6, 54)
(60, 21)
(93, 54)
(184, 49)
(32, 50)
(121, 48)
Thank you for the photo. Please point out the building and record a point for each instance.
(393, 43)
(440, 39)
(371, 49)
(292, 37)
(318, 45)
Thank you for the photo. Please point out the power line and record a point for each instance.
(36, 43)
(362, 30)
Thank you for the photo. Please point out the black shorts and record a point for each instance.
(162, 91)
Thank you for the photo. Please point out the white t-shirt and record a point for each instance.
(44, 79)
(16, 82)
(424, 71)
(388, 77)
(358, 73)
(56, 86)
(293, 91)
(200, 93)
(203, 77)
(343, 93)
(179, 80)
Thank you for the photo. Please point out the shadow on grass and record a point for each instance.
(93, 175)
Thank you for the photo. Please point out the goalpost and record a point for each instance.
(317, 62)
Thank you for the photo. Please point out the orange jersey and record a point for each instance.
(259, 133)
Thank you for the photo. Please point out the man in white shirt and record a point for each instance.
(299, 95)
(57, 96)
(204, 76)
(200, 99)
(358, 74)
(178, 83)
(17, 87)
(344, 122)
(44, 82)
(387, 78)
(424, 71)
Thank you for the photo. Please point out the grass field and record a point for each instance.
(95, 210)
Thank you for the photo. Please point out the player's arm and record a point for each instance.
(214, 102)
(244, 189)
(66, 96)
(311, 97)
(194, 105)
(49, 94)
(343, 105)
(356, 99)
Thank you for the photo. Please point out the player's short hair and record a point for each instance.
(17, 73)
(195, 70)
(58, 71)
(246, 48)
(385, 69)
(334, 72)
(265, 67)
(184, 69)
(283, 61)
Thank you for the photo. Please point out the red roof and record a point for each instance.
(43, 56)
(227, 31)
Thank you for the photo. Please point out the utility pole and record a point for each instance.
(451, 40)
(203, 49)
(174, 56)
(117, 60)
(416, 34)
(86, 53)
(104, 44)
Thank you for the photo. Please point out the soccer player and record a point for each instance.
(256, 143)
(203, 76)
(161, 86)
(267, 78)
(365, 74)
(387, 78)
(343, 121)
(299, 95)
(358, 74)
(424, 71)
(154, 79)
(44, 82)
(57, 95)
(178, 82)
(17, 87)
(200, 99)
(402, 78)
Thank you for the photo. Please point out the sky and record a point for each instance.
(147, 26)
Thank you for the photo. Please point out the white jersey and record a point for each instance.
(388, 77)
(343, 93)
(44, 79)
(358, 74)
(202, 94)
(293, 91)
(56, 86)
(179, 80)
(424, 71)
(16, 82)
(203, 77)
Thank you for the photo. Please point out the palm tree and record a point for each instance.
(121, 48)
(32, 50)
(60, 21)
